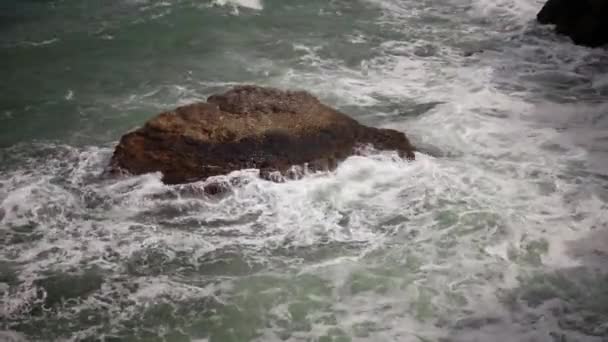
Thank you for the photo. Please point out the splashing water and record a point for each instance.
(253, 4)
(496, 232)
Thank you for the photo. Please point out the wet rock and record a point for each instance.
(476, 323)
(582, 20)
(8, 273)
(469, 53)
(427, 50)
(248, 127)
(61, 287)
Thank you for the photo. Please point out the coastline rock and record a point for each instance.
(582, 20)
(248, 127)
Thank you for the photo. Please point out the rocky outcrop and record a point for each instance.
(248, 127)
(585, 21)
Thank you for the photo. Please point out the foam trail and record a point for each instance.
(251, 4)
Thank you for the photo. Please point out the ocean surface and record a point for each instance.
(497, 232)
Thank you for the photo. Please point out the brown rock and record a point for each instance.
(248, 127)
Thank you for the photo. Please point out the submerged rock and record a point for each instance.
(62, 287)
(582, 20)
(248, 127)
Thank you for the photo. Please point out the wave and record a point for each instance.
(251, 4)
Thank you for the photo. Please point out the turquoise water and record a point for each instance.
(497, 232)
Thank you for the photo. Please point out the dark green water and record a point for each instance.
(497, 232)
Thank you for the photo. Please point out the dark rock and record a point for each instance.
(476, 323)
(248, 127)
(427, 50)
(61, 287)
(582, 20)
(8, 273)
(469, 53)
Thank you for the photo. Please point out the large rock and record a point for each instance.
(248, 127)
(585, 21)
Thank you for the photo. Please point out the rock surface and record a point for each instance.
(582, 20)
(248, 127)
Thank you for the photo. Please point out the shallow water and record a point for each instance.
(497, 232)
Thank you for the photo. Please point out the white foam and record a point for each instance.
(251, 4)
(521, 10)
(41, 43)
(11, 336)
(499, 138)
(461, 224)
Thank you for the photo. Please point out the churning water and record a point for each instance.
(497, 232)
